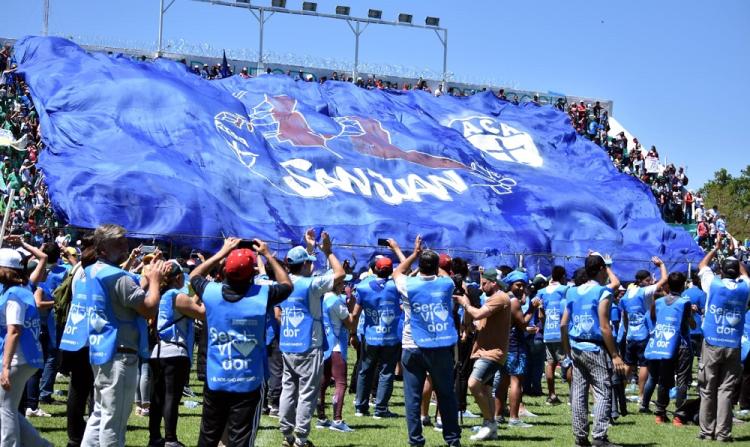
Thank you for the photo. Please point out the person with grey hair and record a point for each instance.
(719, 368)
(117, 333)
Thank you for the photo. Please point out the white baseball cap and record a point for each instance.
(10, 258)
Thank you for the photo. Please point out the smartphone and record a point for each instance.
(247, 243)
(383, 242)
(146, 249)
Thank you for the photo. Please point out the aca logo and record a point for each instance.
(498, 140)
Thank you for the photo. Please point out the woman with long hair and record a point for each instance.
(21, 350)
(172, 355)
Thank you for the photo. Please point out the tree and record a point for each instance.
(732, 196)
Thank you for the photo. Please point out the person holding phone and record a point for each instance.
(301, 341)
(236, 311)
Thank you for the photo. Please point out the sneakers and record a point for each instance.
(487, 432)
(438, 425)
(361, 414)
(187, 392)
(323, 423)
(387, 414)
(288, 441)
(661, 419)
(469, 415)
(341, 427)
(139, 411)
(525, 413)
(583, 442)
(518, 423)
(677, 422)
(553, 400)
(500, 419)
(743, 413)
(426, 422)
(307, 443)
(273, 412)
(644, 410)
(38, 413)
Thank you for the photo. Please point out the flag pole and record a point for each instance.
(11, 195)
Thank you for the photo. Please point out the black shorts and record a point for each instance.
(634, 353)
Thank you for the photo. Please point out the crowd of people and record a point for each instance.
(126, 326)
(271, 336)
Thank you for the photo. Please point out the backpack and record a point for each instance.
(63, 296)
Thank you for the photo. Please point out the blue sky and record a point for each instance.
(674, 69)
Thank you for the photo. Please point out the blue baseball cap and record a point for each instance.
(516, 276)
(298, 255)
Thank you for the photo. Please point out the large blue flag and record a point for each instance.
(156, 149)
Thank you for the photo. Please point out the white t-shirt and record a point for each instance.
(14, 313)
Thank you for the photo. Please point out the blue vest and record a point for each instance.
(236, 354)
(583, 308)
(380, 305)
(634, 303)
(697, 297)
(103, 325)
(76, 333)
(55, 277)
(724, 319)
(666, 334)
(745, 345)
(296, 319)
(182, 332)
(342, 337)
(29, 340)
(431, 318)
(554, 305)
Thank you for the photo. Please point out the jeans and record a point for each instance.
(170, 377)
(114, 389)
(439, 363)
(381, 360)
(661, 373)
(535, 368)
(143, 390)
(276, 370)
(79, 390)
(15, 430)
(41, 383)
(334, 370)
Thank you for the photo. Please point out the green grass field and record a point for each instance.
(551, 428)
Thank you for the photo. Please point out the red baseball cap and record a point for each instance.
(383, 264)
(445, 262)
(240, 264)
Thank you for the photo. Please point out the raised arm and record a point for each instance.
(662, 272)
(333, 261)
(396, 250)
(405, 265)
(278, 271)
(711, 254)
(204, 268)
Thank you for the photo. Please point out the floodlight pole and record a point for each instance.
(357, 32)
(444, 41)
(261, 18)
(45, 18)
(162, 11)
